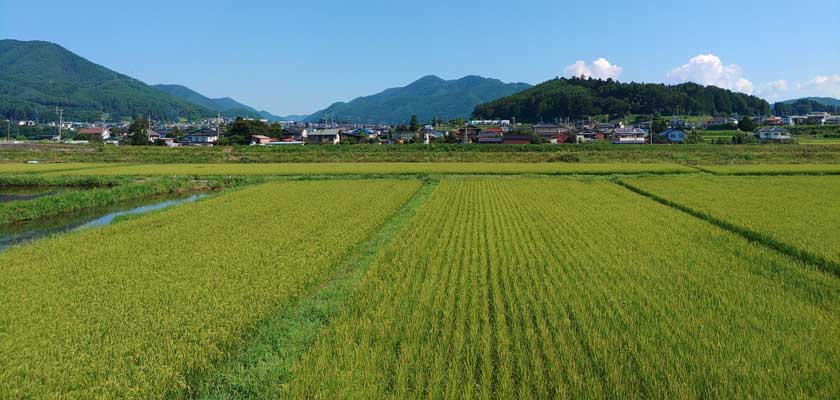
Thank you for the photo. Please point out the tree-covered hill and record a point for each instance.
(36, 77)
(227, 106)
(807, 105)
(429, 97)
(579, 98)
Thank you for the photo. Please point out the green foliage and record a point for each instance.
(138, 132)
(744, 138)
(241, 130)
(659, 125)
(579, 98)
(807, 105)
(413, 126)
(38, 76)
(429, 98)
(693, 137)
(746, 124)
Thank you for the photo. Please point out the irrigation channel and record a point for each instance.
(17, 233)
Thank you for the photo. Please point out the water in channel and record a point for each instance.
(17, 233)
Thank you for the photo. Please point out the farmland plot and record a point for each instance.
(550, 288)
(129, 310)
(799, 211)
(775, 169)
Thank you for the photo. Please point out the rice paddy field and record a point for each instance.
(431, 280)
(800, 212)
(383, 168)
(774, 169)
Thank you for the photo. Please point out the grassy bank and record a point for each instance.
(384, 168)
(71, 201)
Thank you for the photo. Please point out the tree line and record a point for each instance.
(582, 97)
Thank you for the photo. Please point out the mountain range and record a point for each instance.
(429, 97)
(226, 106)
(36, 77)
(826, 101)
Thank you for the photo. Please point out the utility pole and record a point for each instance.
(9, 129)
(60, 112)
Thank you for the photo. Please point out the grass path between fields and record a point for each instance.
(262, 368)
(758, 238)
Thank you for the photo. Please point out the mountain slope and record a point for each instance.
(36, 76)
(826, 101)
(807, 105)
(226, 106)
(579, 98)
(428, 97)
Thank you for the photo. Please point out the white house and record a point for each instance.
(775, 133)
(629, 136)
(206, 138)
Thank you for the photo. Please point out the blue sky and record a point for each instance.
(300, 56)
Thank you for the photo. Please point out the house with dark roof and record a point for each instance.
(201, 138)
(629, 136)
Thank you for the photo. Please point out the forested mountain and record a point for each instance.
(579, 98)
(428, 98)
(807, 105)
(36, 77)
(226, 106)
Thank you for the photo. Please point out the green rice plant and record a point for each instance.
(556, 288)
(796, 214)
(130, 310)
(384, 168)
(24, 168)
(775, 169)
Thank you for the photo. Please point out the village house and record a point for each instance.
(471, 132)
(260, 140)
(96, 133)
(773, 134)
(673, 135)
(588, 135)
(298, 134)
(552, 133)
(817, 118)
(324, 136)
(201, 138)
(629, 136)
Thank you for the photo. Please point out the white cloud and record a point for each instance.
(599, 69)
(773, 91)
(822, 85)
(708, 69)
